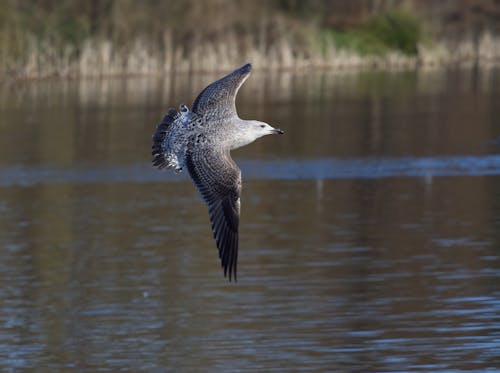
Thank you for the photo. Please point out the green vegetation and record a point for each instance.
(394, 30)
(105, 37)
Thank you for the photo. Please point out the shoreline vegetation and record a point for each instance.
(98, 40)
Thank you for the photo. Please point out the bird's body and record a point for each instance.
(200, 140)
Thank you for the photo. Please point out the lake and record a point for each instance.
(369, 233)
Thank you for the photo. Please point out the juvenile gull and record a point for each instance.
(200, 139)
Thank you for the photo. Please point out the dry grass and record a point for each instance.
(127, 39)
(102, 58)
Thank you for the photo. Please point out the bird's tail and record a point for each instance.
(160, 158)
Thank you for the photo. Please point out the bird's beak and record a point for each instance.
(277, 131)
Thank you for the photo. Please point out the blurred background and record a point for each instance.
(369, 237)
(48, 37)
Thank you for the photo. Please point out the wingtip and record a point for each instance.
(230, 271)
(228, 85)
(231, 275)
(246, 68)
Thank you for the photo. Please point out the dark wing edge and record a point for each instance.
(221, 192)
(222, 93)
(158, 150)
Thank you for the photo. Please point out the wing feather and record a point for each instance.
(218, 180)
(218, 99)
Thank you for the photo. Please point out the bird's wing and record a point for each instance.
(218, 180)
(218, 99)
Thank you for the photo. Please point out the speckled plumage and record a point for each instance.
(200, 139)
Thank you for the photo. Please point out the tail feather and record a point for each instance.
(158, 148)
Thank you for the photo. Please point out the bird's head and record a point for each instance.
(262, 128)
(251, 130)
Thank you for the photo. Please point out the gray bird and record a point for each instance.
(201, 139)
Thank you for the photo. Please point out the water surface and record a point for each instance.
(368, 242)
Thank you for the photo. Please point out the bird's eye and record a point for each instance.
(262, 126)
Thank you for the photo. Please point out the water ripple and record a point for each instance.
(289, 169)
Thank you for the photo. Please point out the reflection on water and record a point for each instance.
(369, 233)
(286, 169)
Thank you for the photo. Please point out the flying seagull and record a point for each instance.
(200, 139)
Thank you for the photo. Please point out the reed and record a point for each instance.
(393, 39)
(103, 58)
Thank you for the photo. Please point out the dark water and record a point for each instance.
(369, 240)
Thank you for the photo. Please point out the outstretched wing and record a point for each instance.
(218, 99)
(218, 180)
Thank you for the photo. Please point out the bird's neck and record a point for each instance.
(243, 134)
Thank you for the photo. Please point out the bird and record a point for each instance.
(200, 140)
